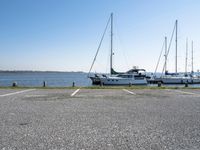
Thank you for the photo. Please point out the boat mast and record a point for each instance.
(165, 54)
(186, 58)
(176, 47)
(192, 60)
(111, 47)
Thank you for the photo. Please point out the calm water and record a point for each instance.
(53, 79)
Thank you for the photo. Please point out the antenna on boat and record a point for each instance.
(176, 46)
(111, 47)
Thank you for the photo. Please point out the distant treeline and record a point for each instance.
(18, 71)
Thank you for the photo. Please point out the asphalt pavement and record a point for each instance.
(107, 119)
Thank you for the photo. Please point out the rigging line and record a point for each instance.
(159, 57)
(99, 45)
(107, 62)
(122, 44)
(169, 47)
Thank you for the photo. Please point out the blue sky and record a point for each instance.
(63, 35)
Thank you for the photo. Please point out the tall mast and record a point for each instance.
(192, 59)
(186, 58)
(165, 54)
(176, 47)
(111, 48)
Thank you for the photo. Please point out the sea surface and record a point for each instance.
(52, 79)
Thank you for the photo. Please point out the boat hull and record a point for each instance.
(121, 81)
(178, 80)
(95, 80)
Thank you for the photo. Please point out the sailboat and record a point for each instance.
(177, 78)
(133, 76)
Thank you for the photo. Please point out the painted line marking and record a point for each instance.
(183, 92)
(129, 92)
(75, 92)
(35, 96)
(14, 93)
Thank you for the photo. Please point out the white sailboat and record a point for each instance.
(177, 78)
(134, 76)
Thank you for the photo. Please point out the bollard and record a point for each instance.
(14, 84)
(44, 84)
(186, 84)
(73, 84)
(129, 84)
(159, 84)
(101, 83)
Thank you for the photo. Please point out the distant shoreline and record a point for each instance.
(30, 71)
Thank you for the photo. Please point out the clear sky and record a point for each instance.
(63, 35)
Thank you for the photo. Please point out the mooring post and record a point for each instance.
(73, 84)
(159, 84)
(186, 83)
(129, 84)
(14, 84)
(44, 84)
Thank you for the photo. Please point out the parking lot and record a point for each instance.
(138, 119)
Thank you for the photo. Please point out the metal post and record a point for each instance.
(44, 84)
(186, 83)
(159, 84)
(130, 84)
(73, 84)
(14, 84)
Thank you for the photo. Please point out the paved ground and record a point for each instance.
(100, 119)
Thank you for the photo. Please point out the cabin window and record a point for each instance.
(139, 78)
(112, 80)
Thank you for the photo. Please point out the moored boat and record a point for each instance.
(175, 78)
(134, 76)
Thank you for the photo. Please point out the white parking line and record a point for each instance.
(75, 92)
(129, 92)
(19, 92)
(35, 96)
(183, 92)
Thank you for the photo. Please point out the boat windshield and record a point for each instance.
(137, 71)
